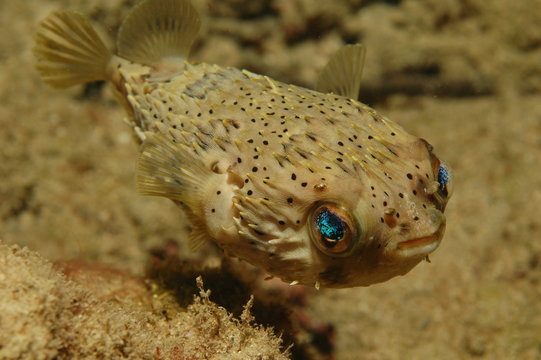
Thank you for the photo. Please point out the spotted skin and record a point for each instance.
(280, 149)
(254, 162)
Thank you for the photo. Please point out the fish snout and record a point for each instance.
(424, 244)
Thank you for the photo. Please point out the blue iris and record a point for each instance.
(330, 226)
(443, 176)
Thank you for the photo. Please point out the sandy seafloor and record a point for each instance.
(463, 74)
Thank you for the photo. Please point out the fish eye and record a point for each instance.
(333, 230)
(443, 175)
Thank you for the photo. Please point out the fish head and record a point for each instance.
(371, 216)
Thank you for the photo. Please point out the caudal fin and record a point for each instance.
(155, 30)
(69, 51)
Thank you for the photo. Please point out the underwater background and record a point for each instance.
(463, 74)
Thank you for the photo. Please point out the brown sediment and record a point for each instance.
(96, 312)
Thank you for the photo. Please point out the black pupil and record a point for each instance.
(331, 227)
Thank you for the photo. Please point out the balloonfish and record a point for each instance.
(312, 186)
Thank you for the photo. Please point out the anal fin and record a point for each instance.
(342, 74)
(198, 236)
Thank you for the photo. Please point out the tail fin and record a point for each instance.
(69, 51)
(158, 29)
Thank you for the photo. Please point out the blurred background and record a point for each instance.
(463, 74)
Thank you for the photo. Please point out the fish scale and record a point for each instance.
(311, 186)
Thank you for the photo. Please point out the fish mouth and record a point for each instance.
(421, 246)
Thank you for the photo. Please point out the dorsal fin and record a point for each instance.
(342, 74)
(155, 30)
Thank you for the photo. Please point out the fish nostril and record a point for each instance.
(436, 217)
(429, 147)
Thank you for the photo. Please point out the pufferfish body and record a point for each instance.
(314, 187)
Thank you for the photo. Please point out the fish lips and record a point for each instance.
(420, 246)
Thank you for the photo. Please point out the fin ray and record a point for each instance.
(158, 29)
(169, 169)
(198, 236)
(69, 51)
(342, 74)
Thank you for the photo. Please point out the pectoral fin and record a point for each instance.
(342, 74)
(172, 170)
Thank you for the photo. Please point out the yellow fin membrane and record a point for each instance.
(171, 170)
(69, 51)
(342, 74)
(158, 29)
(198, 235)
